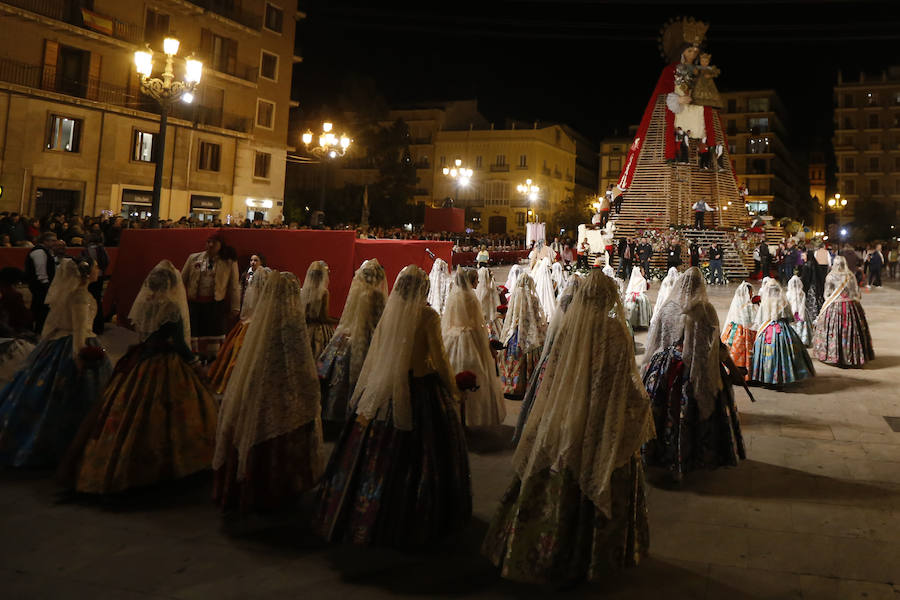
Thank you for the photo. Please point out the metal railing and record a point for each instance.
(238, 69)
(70, 13)
(227, 9)
(499, 168)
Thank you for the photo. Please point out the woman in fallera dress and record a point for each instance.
(157, 420)
(469, 349)
(638, 309)
(440, 285)
(576, 508)
(62, 379)
(523, 335)
(399, 473)
(665, 288)
(269, 445)
(739, 333)
(543, 287)
(314, 298)
(842, 335)
(220, 370)
(796, 297)
(341, 362)
(696, 419)
(779, 356)
(489, 299)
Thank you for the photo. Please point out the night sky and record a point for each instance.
(592, 64)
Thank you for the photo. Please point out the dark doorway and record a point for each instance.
(72, 71)
(497, 225)
(50, 201)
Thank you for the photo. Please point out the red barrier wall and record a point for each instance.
(396, 254)
(445, 219)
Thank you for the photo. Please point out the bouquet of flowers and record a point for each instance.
(466, 380)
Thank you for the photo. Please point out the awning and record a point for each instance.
(137, 197)
(206, 202)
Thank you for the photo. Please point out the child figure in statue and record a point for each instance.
(705, 92)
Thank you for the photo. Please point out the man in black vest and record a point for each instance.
(674, 255)
(644, 252)
(39, 271)
(765, 259)
(715, 264)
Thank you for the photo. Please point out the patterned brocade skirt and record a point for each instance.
(684, 442)
(638, 311)
(43, 406)
(157, 422)
(334, 375)
(842, 335)
(388, 487)
(320, 333)
(779, 357)
(547, 531)
(220, 370)
(739, 340)
(517, 368)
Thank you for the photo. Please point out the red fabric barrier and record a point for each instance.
(445, 219)
(507, 257)
(396, 254)
(285, 250)
(15, 257)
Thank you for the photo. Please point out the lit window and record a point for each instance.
(523, 160)
(143, 146)
(268, 65)
(274, 18)
(64, 134)
(477, 162)
(208, 156)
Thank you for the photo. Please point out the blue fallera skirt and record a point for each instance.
(779, 356)
(45, 403)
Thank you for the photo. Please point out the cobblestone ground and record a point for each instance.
(814, 513)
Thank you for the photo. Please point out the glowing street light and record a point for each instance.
(330, 147)
(529, 189)
(166, 91)
(461, 176)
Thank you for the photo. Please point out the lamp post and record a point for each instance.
(330, 147)
(836, 204)
(460, 175)
(166, 91)
(531, 191)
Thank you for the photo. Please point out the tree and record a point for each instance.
(872, 220)
(569, 217)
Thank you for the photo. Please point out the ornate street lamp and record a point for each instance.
(837, 203)
(531, 191)
(330, 147)
(461, 176)
(166, 91)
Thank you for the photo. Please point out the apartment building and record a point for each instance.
(756, 127)
(867, 140)
(612, 156)
(78, 136)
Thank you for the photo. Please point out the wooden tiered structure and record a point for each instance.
(661, 195)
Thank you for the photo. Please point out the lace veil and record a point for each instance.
(637, 284)
(71, 306)
(742, 312)
(543, 286)
(668, 329)
(488, 296)
(773, 305)
(558, 275)
(384, 379)
(274, 389)
(525, 316)
(161, 300)
(796, 297)
(439, 282)
(463, 310)
(563, 303)
(314, 293)
(665, 288)
(514, 272)
(591, 414)
(253, 292)
(840, 281)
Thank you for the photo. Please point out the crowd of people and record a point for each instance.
(243, 373)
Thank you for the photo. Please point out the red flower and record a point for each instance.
(466, 380)
(502, 289)
(755, 300)
(502, 309)
(91, 353)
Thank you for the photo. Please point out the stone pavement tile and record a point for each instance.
(874, 470)
(818, 462)
(20, 585)
(841, 521)
(886, 452)
(799, 553)
(883, 525)
(679, 579)
(701, 542)
(807, 430)
(665, 506)
(769, 585)
(866, 590)
(868, 560)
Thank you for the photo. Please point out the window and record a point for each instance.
(849, 187)
(520, 219)
(758, 105)
(873, 122)
(265, 114)
(758, 145)
(274, 18)
(501, 160)
(849, 165)
(615, 165)
(732, 127)
(873, 163)
(64, 134)
(732, 148)
(759, 166)
(156, 27)
(848, 123)
(615, 150)
(220, 52)
(871, 99)
(477, 161)
(732, 105)
(759, 124)
(758, 187)
(523, 161)
(444, 161)
(496, 193)
(143, 147)
(268, 65)
(874, 187)
(261, 165)
(208, 156)
(897, 186)
(897, 163)
(848, 101)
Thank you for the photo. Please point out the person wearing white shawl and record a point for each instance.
(219, 371)
(439, 289)
(269, 444)
(512, 277)
(610, 272)
(665, 288)
(697, 422)
(564, 301)
(638, 309)
(42, 407)
(314, 298)
(796, 297)
(543, 287)
(523, 335)
(489, 300)
(779, 357)
(558, 276)
(576, 507)
(399, 473)
(739, 333)
(157, 420)
(342, 359)
(469, 349)
(842, 335)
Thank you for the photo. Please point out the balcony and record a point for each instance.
(68, 12)
(232, 68)
(557, 174)
(422, 141)
(422, 164)
(499, 168)
(545, 171)
(522, 167)
(227, 9)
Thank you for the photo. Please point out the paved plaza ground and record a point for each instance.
(813, 513)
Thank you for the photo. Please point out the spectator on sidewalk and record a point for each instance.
(715, 264)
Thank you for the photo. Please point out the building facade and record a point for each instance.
(756, 127)
(867, 140)
(818, 189)
(79, 137)
(612, 156)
